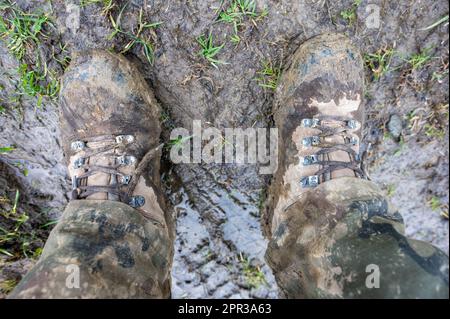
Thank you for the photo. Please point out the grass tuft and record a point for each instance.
(419, 60)
(437, 23)
(6, 149)
(379, 62)
(135, 37)
(7, 286)
(19, 236)
(237, 11)
(107, 5)
(269, 75)
(22, 32)
(253, 274)
(178, 142)
(349, 15)
(208, 50)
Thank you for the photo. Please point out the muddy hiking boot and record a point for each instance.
(319, 112)
(116, 228)
(330, 228)
(110, 131)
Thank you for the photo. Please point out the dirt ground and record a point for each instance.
(219, 245)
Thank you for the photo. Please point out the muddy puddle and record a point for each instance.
(219, 248)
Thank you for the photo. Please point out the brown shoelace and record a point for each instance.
(330, 126)
(122, 186)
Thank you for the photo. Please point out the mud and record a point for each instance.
(218, 206)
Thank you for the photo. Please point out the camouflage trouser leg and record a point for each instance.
(102, 249)
(342, 240)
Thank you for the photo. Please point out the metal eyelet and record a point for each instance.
(310, 160)
(74, 192)
(352, 124)
(74, 182)
(137, 201)
(78, 146)
(311, 141)
(79, 162)
(310, 123)
(126, 160)
(310, 181)
(124, 139)
(124, 179)
(353, 141)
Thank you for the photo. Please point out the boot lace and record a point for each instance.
(121, 185)
(330, 126)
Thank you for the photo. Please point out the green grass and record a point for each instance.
(8, 285)
(22, 32)
(135, 37)
(269, 75)
(419, 60)
(390, 191)
(439, 75)
(379, 62)
(434, 132)
(209, 50)
(178, 142)
(437, 23)
(433, 123)
(107, 5)
(435, 203)
(22, 168)
(235, 39)
(19, 236)
(437, 206)
(254, 277)
(6, 149)
(13, 233)
(349, 15)
(33, 83)
(236, 12)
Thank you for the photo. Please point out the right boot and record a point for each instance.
(326, 222)
(319, 112)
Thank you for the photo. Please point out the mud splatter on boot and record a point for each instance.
(329, 226)
(116, 232)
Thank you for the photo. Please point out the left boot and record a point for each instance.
(116, 234)
(110, 130)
